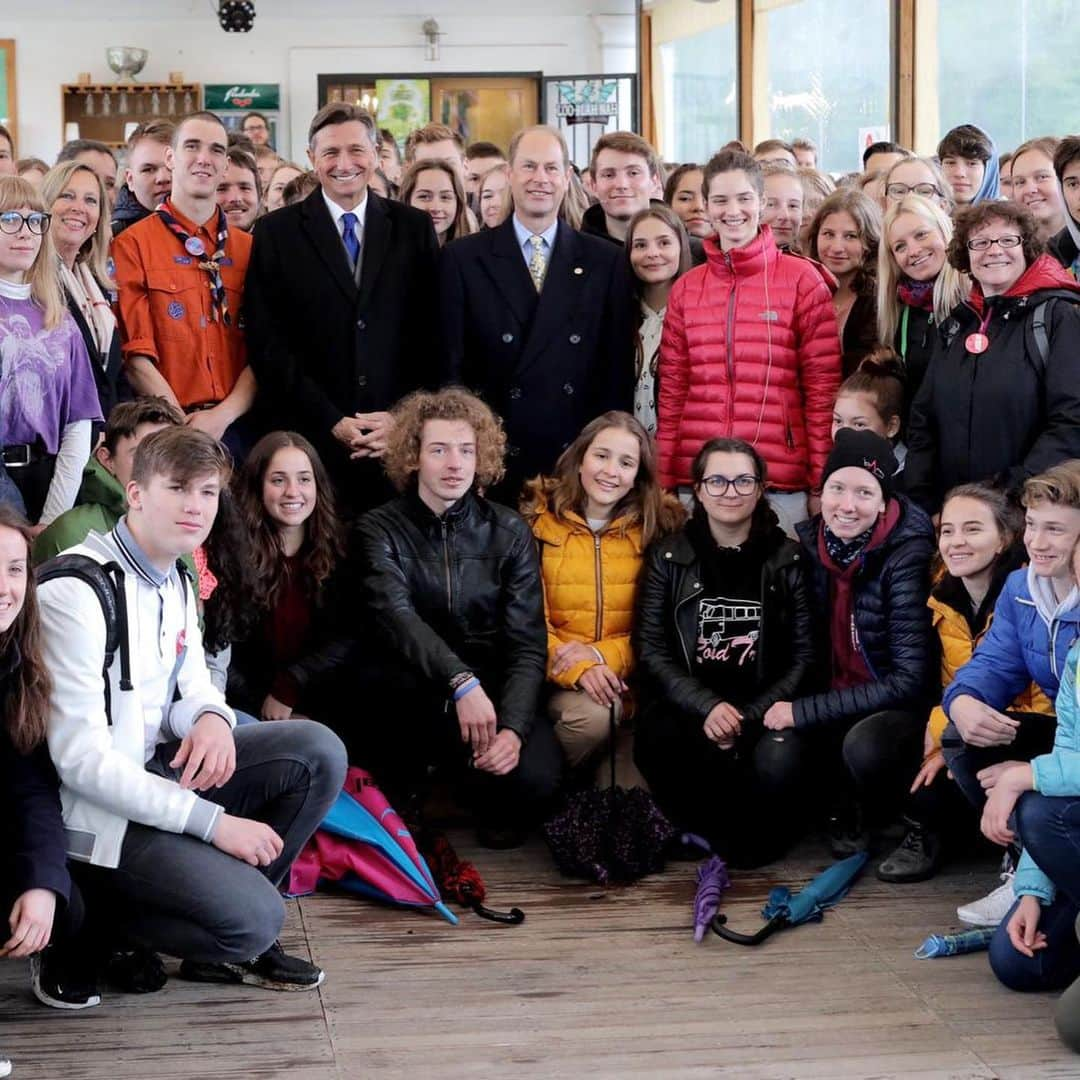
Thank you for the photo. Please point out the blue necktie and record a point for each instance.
(352, 245)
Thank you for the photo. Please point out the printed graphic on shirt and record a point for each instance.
(728, 631)
(28, 362)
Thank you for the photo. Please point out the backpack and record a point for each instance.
(106, 581)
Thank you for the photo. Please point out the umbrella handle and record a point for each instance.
(514, 917)
(777, 922)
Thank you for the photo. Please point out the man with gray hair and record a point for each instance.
(340, 310)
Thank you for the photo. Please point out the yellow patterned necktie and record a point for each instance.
(537, 264)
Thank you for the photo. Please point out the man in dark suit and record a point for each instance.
(340, 297)
(538, 319)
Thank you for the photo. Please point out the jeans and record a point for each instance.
(1049, 829)
(1035, 736)
(178, 895)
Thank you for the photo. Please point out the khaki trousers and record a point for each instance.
(582, 728)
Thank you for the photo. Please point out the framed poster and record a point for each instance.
(7, 86)
(583, 107)
(402, 105)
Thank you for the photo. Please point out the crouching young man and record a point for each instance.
(188, 825)
(456, 642)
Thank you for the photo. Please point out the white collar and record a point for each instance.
(337, 212)
(12, 291)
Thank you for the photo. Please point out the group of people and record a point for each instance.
(445, 458)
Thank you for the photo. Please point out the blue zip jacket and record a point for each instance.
(1021, 647)
(1055, 774)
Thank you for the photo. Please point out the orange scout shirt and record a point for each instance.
(166, 307)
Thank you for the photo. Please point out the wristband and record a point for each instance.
(460, 679)
(465, 687)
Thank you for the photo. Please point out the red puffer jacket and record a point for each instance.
(750, 350)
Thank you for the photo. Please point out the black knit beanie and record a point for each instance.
(863, 450)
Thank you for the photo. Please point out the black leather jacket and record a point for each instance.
(666, 628)
(456, 593)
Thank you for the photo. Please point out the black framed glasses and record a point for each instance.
(983, 243)
(719, 485)
(898, 191)
(11, 222)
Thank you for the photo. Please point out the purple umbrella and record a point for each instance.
(712, 880)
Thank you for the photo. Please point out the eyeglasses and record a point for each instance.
(983, 243)
(11, 222)
(718, 485)
(898, 191)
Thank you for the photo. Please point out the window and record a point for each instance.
(694, 77)
(1008, 67)
(823, 71)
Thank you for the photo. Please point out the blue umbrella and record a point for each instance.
(809, 904)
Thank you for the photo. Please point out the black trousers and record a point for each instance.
(744, 801)
(400, 737)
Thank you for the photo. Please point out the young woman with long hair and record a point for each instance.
(844, 238)
(593, 519)
(287, 662)
(722, 632)
(433, 185)
(48, 398)
(977, 550)
(917, 286)
(658, 249)
(39, 901)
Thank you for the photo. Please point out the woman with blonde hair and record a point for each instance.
(918, 176)
(47, 394)
(81, 233)
(433, 185)
(493, 196)
(575, 201)
(917, 285)
(593, 519)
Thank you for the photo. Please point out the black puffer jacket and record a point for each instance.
(453, 594)
(892, 621)
(666, 629)
(914, 342)
(1005, 414)
(127, 211)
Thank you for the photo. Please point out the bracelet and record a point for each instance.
(460, 679)
(465, 687)
(598, 654)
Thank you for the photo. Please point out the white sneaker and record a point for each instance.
(992, 908)
(5, 1067)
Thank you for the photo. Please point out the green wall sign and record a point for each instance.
(257, 96)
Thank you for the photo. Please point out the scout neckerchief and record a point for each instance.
(212, 264)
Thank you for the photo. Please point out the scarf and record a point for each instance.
(81, 285)
(212, 264)
(916, 294)
(845, 552)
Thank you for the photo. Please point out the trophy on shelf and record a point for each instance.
(126, 61)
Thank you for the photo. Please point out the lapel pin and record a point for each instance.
(578, 270)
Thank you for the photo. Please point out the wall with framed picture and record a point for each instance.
(583, 107)
(7, 86)
(489, 107)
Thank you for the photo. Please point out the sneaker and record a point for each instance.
(992, 908)
(845, 834)
(916, 858)
(5, 1067)
(274, 970)
(57, 982)
(135, 971)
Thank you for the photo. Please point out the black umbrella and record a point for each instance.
(610, 836)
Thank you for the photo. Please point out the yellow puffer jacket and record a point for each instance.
(957, 645)
(590, 582)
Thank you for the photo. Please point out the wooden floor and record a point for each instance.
(596, 983)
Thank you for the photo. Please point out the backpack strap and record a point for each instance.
(1040, 318)
(106, 580)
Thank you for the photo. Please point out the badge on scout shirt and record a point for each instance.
(176, 310)
(194, 246)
